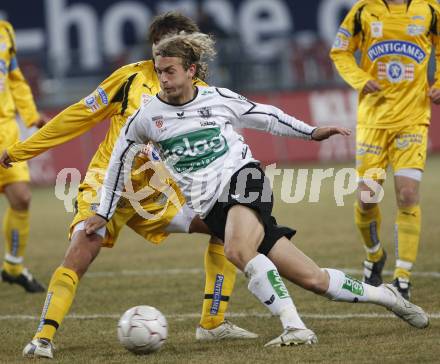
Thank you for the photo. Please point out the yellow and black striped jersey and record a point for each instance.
(15, 93)
(117, 97)
(395, 43)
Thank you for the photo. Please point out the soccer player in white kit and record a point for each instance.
(193, 128)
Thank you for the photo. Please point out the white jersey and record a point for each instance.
(198, 143)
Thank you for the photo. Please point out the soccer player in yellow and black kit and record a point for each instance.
(15, 95)
(395, 39)
(117, 98)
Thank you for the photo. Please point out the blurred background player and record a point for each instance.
(117, 98)
(395, 39)
(15, 96)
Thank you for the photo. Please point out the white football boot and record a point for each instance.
(226, 330)
(408, 311)
(292, 336)
(39, 348)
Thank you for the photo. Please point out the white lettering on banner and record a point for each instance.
(335, 108)
(60, 19)
(117, 16)
(223, 12)
(264, 26)
(257, 30)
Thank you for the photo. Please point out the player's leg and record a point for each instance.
(16, 228)
(407, 226)
(408, 161)
(65, 279)
(371, 156)
(338, 286)
(62, 289)
(368, 220)
(219, 272)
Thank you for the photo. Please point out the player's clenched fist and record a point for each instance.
(371, 86)
(5, 161)
(43, 120)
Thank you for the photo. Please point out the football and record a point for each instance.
(142, 329)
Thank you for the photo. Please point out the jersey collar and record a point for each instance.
(186, 103)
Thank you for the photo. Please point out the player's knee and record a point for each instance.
(22, 202)
(232, 253)
(407, 196)
(363, 205)
(237, 255)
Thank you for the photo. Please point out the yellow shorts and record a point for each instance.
(400, 148)
(151, 229)
(9, 134)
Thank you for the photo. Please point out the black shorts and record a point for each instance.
(248, 187)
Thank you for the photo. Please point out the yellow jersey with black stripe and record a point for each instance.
(395, 43)
(116, 98)
(15, 93)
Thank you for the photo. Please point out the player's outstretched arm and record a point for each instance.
(326, 132)
(248, 114)
(72, 122)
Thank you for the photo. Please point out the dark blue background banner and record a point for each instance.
(96, 29)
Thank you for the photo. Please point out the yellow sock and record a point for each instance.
(60, 294)
(219, 282)
(368, 223)
(407, 233)
(16, 231)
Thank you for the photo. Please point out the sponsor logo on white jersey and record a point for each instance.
(194, 150)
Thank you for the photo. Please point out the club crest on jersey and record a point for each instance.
(396, 48)
(376, 29)
(158, 120)
(395, 71)
(3, 47)
(91, 103)
(340, 43)
(205, 112)
(181, 115)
